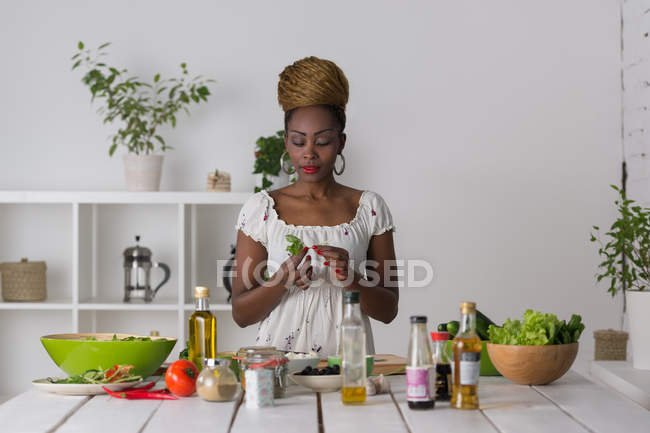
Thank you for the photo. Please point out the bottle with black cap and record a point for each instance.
(420, 370)
(353, 351)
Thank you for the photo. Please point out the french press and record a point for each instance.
(137, 270)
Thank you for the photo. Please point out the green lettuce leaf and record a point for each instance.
(537, 329)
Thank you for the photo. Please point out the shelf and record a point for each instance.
(114, 305)
(213, 307)
(49, 304)
(124, 197)
(629, 381)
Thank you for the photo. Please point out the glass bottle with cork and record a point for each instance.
(203, 329)
(443, 366)
(420, 370)
(466, 348)
(353, 351)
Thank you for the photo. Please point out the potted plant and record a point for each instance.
(141, 108)
(267, 161)
(626, 265)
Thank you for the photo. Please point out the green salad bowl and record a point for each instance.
(76, 353)
(487, 368)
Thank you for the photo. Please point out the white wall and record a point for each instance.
(491, 128)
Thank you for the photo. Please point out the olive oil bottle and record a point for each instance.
(203, 329)
(353, 351)
(466, 349)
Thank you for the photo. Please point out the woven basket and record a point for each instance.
(610, 345)
(24, 281)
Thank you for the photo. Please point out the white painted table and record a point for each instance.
(572, 404)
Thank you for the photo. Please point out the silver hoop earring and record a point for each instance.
(342, 168)
(290, 171)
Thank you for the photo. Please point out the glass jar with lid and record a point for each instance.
(217, 382)
(267, 357)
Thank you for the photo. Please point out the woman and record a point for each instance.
(299, 304)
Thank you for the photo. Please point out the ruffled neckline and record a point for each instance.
(285, 224)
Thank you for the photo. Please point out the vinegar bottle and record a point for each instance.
(203, 329)
(467, 360)
(420, 371)
(353, 351)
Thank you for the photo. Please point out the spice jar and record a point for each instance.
(217, 382)
(269, 358)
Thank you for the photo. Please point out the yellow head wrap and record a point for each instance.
(312, 81)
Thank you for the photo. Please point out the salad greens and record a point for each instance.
(115, 374)
(295, 245)
(185, 353)
(537, 329)
(131, 338)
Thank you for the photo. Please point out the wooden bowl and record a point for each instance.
(532, 365)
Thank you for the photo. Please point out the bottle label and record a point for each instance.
(420, 383)
(470, 367)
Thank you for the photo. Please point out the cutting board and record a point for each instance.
(384, 364)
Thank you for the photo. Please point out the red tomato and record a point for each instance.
(181, 378)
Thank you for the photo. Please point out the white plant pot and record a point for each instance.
(143, 172)
(638, 309)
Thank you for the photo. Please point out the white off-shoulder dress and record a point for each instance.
(307, 320)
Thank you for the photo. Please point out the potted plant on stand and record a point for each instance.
(268, 152)
(626, 265)
(141, 108)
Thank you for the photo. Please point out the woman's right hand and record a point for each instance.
(292, 273)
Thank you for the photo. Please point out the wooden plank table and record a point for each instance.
(571, 404)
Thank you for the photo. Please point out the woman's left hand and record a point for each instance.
(338, 259)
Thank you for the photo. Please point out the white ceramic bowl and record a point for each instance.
(325, 383)
(299, 364)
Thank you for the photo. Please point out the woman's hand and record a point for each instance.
(338, 259)
(292, 273)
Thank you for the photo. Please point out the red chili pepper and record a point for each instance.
(141, 395)
(144, 387)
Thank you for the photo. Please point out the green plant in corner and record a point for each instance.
(267, 159)
(141, 107)
(626, 251)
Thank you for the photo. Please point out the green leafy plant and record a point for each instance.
(626, 249)
(142, 108)
(537, 329)
(268, 151)
(295, 245)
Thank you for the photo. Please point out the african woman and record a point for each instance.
(296, 300)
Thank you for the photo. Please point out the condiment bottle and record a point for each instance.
(443, 368)
(466, 349)
(217, 382)
(420, 370)
(353, 351)
(203, 329)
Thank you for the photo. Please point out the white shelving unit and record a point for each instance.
(82, 235)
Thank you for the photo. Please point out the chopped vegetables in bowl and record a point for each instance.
(78, 353)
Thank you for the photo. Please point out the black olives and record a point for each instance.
(326, 371)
